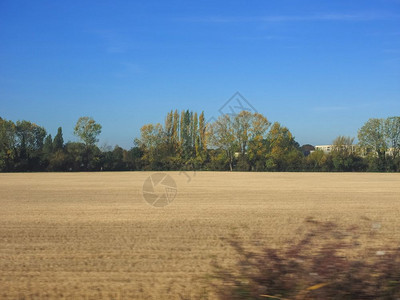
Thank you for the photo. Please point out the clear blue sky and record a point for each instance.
(322, 68)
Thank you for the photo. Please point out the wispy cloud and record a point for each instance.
(364, 16)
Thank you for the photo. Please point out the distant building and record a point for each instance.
(329, 148)
(324, 148)
(354, 149)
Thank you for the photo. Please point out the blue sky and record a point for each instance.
(321, 68)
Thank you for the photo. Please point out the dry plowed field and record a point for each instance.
(93, 236)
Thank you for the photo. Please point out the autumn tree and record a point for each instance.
(256, 136)
(242, 126)
(283, 151)
(176, 133)
(150, 141)
(222, 136)
(7, 145)
(202, 133)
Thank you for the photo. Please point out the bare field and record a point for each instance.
(92, 236)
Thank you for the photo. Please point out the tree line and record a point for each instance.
(185, 141)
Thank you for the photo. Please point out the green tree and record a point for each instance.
(344, 155)
(343, 145)
(371, 137)
(59, 160)
(58, 143)
(186, 135)
(48, 145)
(7, 145)
(117, 159)
(29, 143)
(133, 159)
(47, 151)
(87, 130)
(195, 134)
(75, 158)
(392, 134)
(315, 161)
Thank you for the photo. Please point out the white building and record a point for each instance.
(354, 149)
(324, 148)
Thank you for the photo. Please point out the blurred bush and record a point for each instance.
(322, 264)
